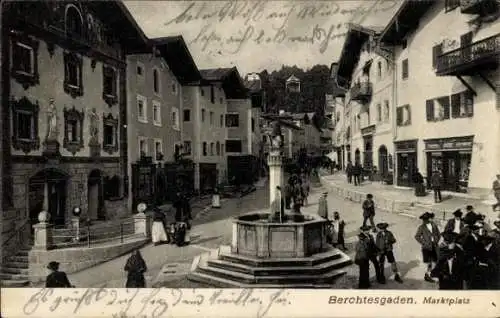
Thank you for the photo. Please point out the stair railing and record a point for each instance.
(18, 233)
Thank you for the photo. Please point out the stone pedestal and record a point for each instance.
(43, 236)
(142, 224)
(275, 163)
(51, 148)
(75, 224)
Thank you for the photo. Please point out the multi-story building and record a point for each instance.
(447, 92)
(341, 121)
(155, 107)
(205, 121)
(64, 100)
(309, 136)
(367, 74)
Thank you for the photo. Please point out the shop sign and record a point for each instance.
(407, 146)
(463, 143)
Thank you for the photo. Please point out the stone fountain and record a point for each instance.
(271, 249)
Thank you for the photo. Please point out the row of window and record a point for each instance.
(141, 75)
(217, 149)
(232, 120)
(142, 114)
(382, 115)
(212, 94)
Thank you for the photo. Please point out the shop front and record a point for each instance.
(452, 157)
(406, 162)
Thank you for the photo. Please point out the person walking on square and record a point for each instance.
(323, 206)
(496, 192)
(158, 233)
(450, 268)
(348, 171)
(369, 211)
(357, 170)
(456, 224)
(56, 279)
(135, 267)
(337, 231)
(385, 241)
(436, 185)
(366, 251)
(428, 237)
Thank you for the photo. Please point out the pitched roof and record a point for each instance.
(232, 83)
(356, 36)
(405, 20)
(176, 53)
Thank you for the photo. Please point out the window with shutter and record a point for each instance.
(455, 106)
(408, 115)
(429, 109)
(436, 51)
(405, 69)
(445, 105)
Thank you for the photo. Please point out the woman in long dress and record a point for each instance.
(158, 233)
(136, 267)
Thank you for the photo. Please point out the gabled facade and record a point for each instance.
(367, 74)
(447, 92)
(154, 115)
(64, 100)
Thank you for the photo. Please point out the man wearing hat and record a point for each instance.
(366, 251)
(484, 273)
(385, 241)
(323, 206)
(56, 279)
(496, 231)
(369, 211)
(428, 237)
(450, 269)
(470, 215)
(456, 224)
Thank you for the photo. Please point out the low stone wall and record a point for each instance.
(76, 259)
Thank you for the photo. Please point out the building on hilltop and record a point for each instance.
(447, 95)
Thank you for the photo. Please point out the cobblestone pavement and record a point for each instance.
(213, 228)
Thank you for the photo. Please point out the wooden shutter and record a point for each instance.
(455, 105)
(469, 103)
(405, 69)
(399, 116)
(429, 109)
(436, 51)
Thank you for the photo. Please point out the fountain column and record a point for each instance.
(275, 163)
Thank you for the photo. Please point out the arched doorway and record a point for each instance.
(357, 156)
(383, 162)
(95, 201)
(47, 191)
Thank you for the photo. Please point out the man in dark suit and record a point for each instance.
(471, 215)
(385, 241)
(484, 272)
(456, 224)
(450, 269)
(428, 237)
(369, 211)
(56, 279)
(366, 251)
(436, 186)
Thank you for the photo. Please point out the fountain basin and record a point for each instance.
(257, 235)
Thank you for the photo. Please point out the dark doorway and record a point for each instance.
(95, 198)
(383, 163)
(47, 190)
(357, 156)
(407, 166)
(368, 152)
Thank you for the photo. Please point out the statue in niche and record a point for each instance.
(52, 119)
(94, 127)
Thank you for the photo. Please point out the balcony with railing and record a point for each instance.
(361, 92)
(468, 60)
(478, 6)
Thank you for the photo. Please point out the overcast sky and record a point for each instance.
(257, 35)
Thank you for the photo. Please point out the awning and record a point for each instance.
(332, 156)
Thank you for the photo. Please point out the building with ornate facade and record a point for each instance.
(447, 92)
(64, 101)
(155, 109)
(367, 74)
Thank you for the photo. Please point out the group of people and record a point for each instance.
(176, 232)
(296, 192)
(466, 255)
(354, 172)
(336, 228)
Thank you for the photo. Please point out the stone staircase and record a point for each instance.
(15, 271)
(221, 268)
